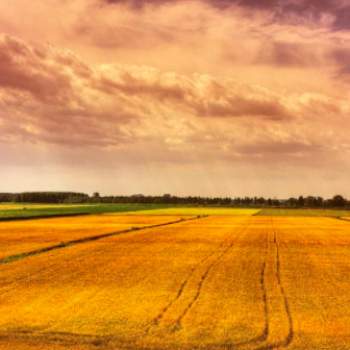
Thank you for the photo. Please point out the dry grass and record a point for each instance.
(220, 282)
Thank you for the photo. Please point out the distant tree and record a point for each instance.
(292, 202)
(310, 202)
(261, 201)
(73, 197)
(319, 202)
(301, 201)
(338, 201)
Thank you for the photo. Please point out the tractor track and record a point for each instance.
(158, 318)
(289, 338)
(261, 342)
(199, 287)
(290, 335)
(266, 329)
(203, 279)
(284, 343)
(178, 321)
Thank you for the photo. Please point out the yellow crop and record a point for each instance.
(198, 211)
(220, 282)
(18, 237)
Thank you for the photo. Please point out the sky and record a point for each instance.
(202, 97)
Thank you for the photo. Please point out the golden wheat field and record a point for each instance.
(18, 237)
(217, 282)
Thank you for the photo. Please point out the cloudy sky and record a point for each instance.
(206, 97)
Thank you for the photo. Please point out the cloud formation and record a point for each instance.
(57, 98)
(191, 86)
(293, 11)
(51, 92)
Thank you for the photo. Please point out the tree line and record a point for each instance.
(336, 201)
(44, 197)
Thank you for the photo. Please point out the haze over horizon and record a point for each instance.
(202, 97)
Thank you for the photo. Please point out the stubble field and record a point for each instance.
(223, 280)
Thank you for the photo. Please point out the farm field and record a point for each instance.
(19, 237)
(192, 211)
(14, 211)
(225, 281)
(304, 212)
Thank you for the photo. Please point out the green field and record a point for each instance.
(22, 211)
(9, 211)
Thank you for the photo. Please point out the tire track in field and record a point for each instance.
(286, 341)
(266, 329)
(262, 341)
(177, 323)
(159, 317)
(289, 338)
(201, 283)
(20, 256)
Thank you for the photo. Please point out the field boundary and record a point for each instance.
(16, 257)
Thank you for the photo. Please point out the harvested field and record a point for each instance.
(219, 282)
